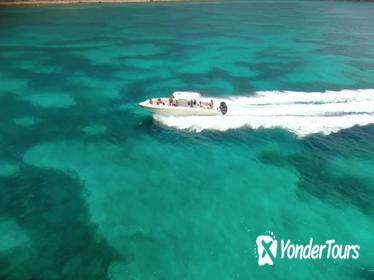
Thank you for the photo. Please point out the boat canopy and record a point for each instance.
(186, 95)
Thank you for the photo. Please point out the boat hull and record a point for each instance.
(178, 111)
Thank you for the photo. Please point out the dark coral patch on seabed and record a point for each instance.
(49, 207)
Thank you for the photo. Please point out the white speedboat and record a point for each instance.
(183, 103)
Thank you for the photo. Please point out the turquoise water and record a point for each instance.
(93, 187)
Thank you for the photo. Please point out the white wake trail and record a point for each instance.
(302, 113)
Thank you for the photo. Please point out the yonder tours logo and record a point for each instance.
(267, 248)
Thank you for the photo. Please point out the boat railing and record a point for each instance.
(192, 103)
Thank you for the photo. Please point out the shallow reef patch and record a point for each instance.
(49, 209)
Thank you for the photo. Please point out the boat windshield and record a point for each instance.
(186, 95)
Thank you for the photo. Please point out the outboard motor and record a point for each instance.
(223, 108)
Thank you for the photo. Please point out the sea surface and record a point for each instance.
(94, 187)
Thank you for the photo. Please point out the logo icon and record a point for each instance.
(266, 248)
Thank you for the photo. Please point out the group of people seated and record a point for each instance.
(192, 103)
(206, 105)
(158, 102)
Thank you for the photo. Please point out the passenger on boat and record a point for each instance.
(171, 100)
(151, 101)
